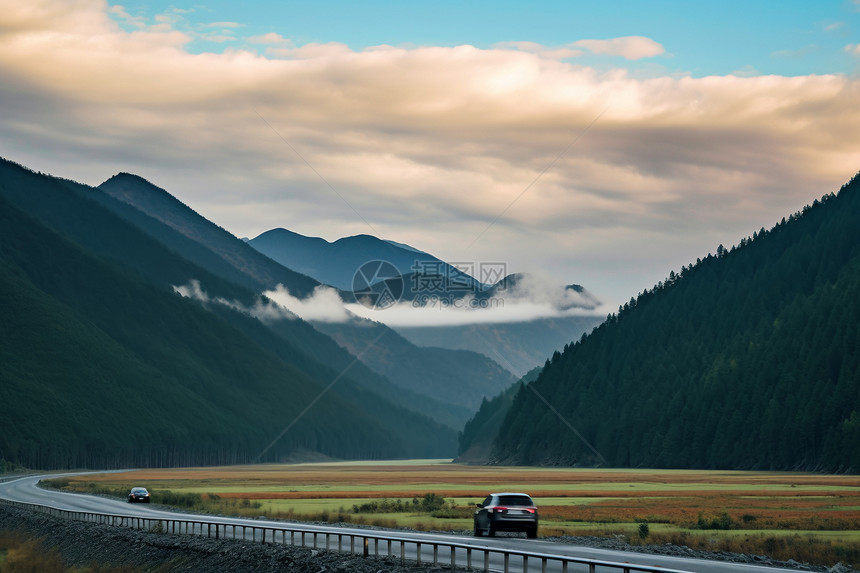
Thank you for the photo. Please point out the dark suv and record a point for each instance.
(138, 494)
(506, 512)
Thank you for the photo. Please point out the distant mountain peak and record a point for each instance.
(124, 177)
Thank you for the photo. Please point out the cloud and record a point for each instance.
(555, 53)
(263, 309)
(270, 38)
(795, 54)
(530, 297)
(853, 49)
(324, 305)
(430, 145)
(459, 312)
(629, 47)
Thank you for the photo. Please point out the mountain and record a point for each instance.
(465, 376)
(159, 205)
(420, 277)
(104, 364)
(476, 439)
(336, 263)
(446, 387)
(517, 346)
(747, 359)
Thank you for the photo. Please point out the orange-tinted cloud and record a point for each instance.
(429, 144)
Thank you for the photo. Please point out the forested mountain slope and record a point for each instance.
(102, 364)
(161, 206)
(446, 385)
(476, 439)
(748, 359)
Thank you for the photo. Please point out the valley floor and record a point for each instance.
(801, 517)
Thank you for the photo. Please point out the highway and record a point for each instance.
(26, 490)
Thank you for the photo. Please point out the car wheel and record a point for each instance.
(478, 532)
(531, 533)
(491, 531)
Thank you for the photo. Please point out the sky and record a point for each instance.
(603, 144)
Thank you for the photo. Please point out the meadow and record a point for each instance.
(807, 517)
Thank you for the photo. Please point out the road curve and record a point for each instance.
(26, 490)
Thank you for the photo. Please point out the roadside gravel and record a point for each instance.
(82, 544)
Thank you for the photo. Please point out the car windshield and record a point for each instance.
(516, 500)
(138, 490)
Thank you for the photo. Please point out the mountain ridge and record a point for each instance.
(96, 294)
(336, 263)
(746, 359)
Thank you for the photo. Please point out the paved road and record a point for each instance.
(26, 490)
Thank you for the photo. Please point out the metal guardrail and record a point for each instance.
(358, 543)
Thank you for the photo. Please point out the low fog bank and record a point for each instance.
(529, 298)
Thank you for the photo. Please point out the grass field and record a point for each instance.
(802, 516)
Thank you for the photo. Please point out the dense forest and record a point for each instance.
(476, 439)
(104, 364)
(747, 359)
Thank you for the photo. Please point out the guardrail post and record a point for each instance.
(469, 558)
(486, 561)
(402, 552)
(507, 562)
(435, 554)
(453, 558)
(366, 547)
(418, 552)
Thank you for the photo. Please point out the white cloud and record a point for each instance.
(324, 305)
(445, 312)
(853, 49)
(529, 298)
(555, 53)
(270, 38)
(629, 47)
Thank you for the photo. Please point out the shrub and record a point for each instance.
(723, 521)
